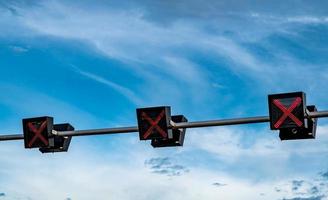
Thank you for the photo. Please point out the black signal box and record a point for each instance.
(59, 143)
(37, 131)
(287, 111)
(154, 122)
(301, 133)
(178, 135)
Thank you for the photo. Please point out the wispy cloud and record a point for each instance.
(229, 146)
(178, 59)
(129, 94)
(163, 53)
(166, 167)
(157, 49)
(297, 184)
(124, 172)
(307, 198)
(308, 19)
(219, 184)
(18, 49)
(85, 170)
(41, 105)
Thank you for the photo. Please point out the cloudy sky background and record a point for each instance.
(92, 63)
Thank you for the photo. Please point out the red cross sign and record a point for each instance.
(37, 133)
(154, 125)
(287, 112)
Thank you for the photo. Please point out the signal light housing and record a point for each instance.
(287, 110)
(154, 122)
(178, 135)
(37, 131)
(59, 143)
(301, 133)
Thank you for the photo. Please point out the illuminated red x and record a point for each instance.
(37, 133)
(288, 112)
(154, 124)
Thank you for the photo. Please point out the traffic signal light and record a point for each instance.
(59, 143)
(301, 133)
(178, 135)
(37, 131)
(288, 114)
(287, 110)
(154, 122)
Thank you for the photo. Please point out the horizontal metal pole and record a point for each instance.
(132, 129)
(176, 126)
(196, 124)
(11, 137)
(224, 122)
(318, 114)
(99, 131)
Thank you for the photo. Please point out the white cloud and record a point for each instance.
(129, 94)
(151, 50)
(84, 174)
(286, 19)
(158, 53)
(126, 36)
(120, 173)
(116, 168)
(24, 102)
(308, 19)
(19, 49)
(264, 153)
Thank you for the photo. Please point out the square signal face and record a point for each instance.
(154, 122)
(37, 131)
(287, 110)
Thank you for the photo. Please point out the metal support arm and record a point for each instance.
(196, 124)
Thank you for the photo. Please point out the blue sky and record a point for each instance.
(92, 63)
